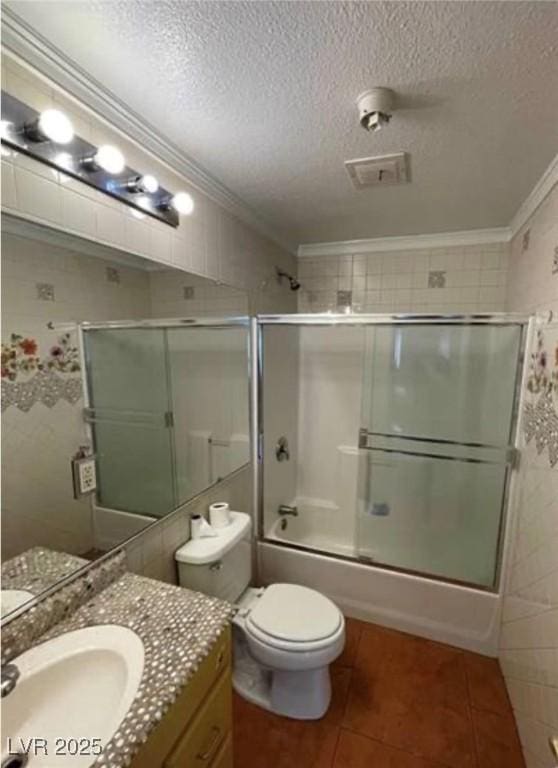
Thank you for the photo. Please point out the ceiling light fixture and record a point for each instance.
(51, 125)
(375, 108)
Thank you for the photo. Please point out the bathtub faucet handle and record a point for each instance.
(282, 452)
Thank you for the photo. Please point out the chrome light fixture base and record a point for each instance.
(69, 159)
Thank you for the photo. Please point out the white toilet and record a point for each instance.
(285, 635)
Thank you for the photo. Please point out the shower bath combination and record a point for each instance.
(403, 443)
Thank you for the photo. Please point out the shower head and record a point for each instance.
(293, 282)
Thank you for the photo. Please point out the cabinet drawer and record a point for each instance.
(208, 730)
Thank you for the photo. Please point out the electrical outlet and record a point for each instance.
(85, 476)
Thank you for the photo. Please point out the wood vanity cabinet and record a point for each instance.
(196, 732)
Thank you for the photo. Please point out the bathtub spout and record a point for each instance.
(284, 509)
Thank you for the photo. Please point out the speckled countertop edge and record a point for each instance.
(178, 628)
(38, 569)
(25, 630)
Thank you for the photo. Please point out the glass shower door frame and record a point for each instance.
(258, 325)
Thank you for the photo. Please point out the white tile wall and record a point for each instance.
(533, 265)
(397, 281)
(209, 300)
(529, 640)
(37, 502)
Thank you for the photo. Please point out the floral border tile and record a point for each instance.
(28, 378)
(541, 415)
(44, 387)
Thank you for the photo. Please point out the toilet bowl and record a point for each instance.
(285, 636)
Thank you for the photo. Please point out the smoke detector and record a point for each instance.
(375, 108)
(380, 171)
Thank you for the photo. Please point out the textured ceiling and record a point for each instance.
(262, 95)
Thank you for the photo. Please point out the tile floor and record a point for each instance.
(398, 702)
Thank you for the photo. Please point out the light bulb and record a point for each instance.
(183, 203)
(110, 159)
(5, 129)
(64, 160)
(148, 183)
(54, 125)
(143, 201)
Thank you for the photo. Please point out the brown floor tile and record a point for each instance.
(354, 751)
(434, 732)
(486, 684)
(497, 741)
(412, 694)
(353, 630)
(398, 701)
(368, 701)
(264, 739)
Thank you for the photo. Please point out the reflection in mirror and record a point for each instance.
(180, 427)
(168, 409)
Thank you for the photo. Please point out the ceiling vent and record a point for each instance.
(380, 171)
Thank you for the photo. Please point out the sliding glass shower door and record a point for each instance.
(436, 446)
(168, 409)
(400, 436)
(130, 407)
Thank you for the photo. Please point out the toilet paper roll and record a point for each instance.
(200, 528)
(219, 514)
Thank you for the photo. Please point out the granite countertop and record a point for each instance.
(178, 628)
(38, 569)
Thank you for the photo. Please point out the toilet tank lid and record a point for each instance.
(203, 551)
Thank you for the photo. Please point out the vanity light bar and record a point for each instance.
(49, 138)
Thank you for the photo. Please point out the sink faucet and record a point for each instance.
(10, 675)
(284, 509)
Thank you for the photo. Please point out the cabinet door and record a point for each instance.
(213, 723)
(181, 717)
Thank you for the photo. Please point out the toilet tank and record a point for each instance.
(219, 565)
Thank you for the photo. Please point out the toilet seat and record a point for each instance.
(293, 618)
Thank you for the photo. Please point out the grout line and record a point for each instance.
(545, 608)
(431, 763)
(334, 756)
(476, 755)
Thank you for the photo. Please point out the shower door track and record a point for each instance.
(327, 318)
(370, 562)
(257, 324)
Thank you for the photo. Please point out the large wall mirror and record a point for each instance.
(162, 406)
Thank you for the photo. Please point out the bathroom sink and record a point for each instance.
(10, 599)
(72, 694)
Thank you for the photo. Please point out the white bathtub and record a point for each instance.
(453, 614)
(319, 525)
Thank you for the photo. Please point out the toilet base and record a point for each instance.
(301, 695)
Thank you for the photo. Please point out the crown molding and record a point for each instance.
(35, 50)
(541, 189)
(406, 243)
